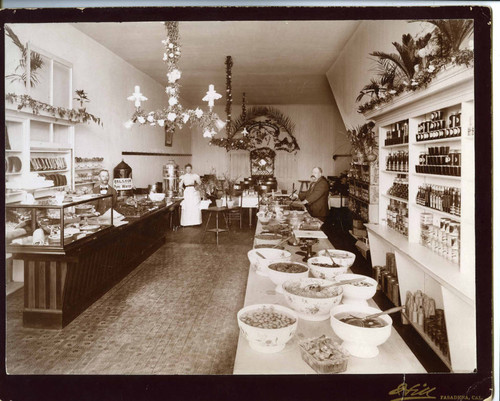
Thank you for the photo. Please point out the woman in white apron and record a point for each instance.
(191, 212)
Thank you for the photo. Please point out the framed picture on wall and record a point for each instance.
(169, 134)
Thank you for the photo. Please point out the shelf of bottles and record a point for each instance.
(363, 190)
(397, 135)
(399, 188)
(397, 216)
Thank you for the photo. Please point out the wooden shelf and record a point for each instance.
(88, 168)
(394, 172)
(7, 174)
(86, 183)
(47, 150)
(399, 145)
(440, 140)
(49, 171)
(443, 271)
(12, 151)
(438, 212)
(360, 181)
(359, 199)
(439, 176)
(427, 339)
(395, 198)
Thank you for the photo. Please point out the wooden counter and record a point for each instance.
(59, 287)
(394, 356)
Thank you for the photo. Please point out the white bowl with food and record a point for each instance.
(340, 257)
(323, 267)
(357, 292)
(267, 327)
(261, 257)
(361, 338)
(311, 298)
(157, 197)
(264, 217)
(279, 272)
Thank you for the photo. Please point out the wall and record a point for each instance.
(353, 68)
(319, 132)
(108, 81)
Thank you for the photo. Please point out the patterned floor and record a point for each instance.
(174, 314)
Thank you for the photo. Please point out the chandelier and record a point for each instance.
(174, 115)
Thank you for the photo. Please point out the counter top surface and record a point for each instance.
(394, 356)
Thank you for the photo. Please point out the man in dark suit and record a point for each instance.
(104, 188)
(316, 197)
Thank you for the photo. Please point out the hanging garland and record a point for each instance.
(229, 95)
(259, 131)
(418, 61)
(244, 107)
(73, 115)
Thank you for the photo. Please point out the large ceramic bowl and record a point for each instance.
(357, 292)
(264, 218)
(270, 255)
(362, 342)
(157, 197)
(277, 326)
(279, 272)
(318, 266)
(342, 258)
(311, 305)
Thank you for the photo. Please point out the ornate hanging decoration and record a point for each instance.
(229, 94)
(174, 115)
(264, 126)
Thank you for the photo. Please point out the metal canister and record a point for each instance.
(388, 285)
(383, 280)
(377, 271)
(395, 292)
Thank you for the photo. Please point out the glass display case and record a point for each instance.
(54, 224)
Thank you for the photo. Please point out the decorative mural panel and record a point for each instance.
(262, 161)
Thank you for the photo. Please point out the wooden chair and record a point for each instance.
(236, 212)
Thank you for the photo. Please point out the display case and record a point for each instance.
(54, 224)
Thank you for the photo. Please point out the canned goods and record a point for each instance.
(395, 293)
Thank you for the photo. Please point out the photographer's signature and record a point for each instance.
(416, 392)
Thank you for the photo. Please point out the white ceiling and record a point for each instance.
(275, 62)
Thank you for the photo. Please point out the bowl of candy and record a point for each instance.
(260, 258)
(264, 217)
(279, 272)
(267, 327)
(323, 267)
(340, 257)
(312, 298)
(359, 291)
(361, 335)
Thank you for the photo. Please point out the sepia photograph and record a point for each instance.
(320, 227)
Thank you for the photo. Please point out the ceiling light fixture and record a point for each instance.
(174, 115)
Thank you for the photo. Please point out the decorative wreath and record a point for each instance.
(263, 125)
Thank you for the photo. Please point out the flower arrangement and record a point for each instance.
(264, 124)
(362, 138)
(229, 94)
(417, 61)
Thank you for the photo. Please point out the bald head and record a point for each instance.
(317, 172)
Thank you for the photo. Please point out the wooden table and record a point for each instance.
(394, 356)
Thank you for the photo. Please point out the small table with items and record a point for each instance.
(394, 355)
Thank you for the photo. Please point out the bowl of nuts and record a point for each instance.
(340, 257)
(357, 292)
(267, 327)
